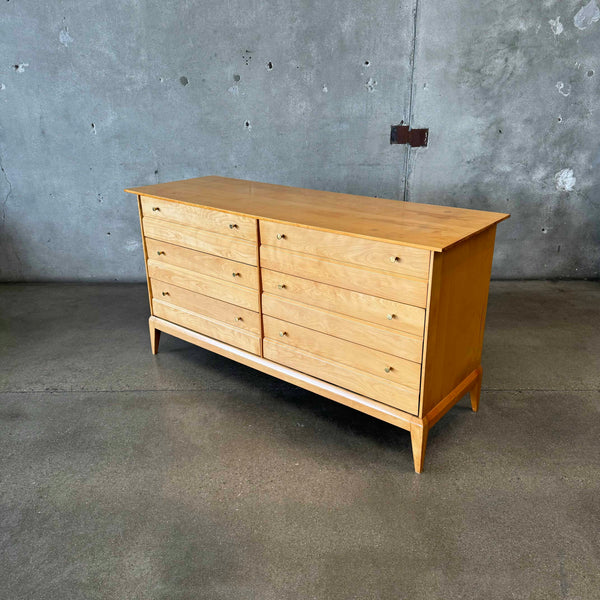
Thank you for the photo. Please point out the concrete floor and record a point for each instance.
(185, 475)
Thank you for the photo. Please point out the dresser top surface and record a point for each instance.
(419, 225)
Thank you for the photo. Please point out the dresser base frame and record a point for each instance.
(419, 428)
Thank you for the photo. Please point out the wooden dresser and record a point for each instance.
(377, 304)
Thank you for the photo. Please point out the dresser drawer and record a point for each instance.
(199, 239)
(206, 306)
(204, 284)
(386, 366)
(235, 226)
(203, 263)
(408, 290)
(207, 326)
(351, 379)
(402, 317)
(402, 260)
(386, 340)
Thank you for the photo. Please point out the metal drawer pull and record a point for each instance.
(388, 369)
(238, 319)
(235, 274)
(281, 236)
(281, 286)
(155, 209)
(282, 333)
(390, 317)
(165, 293)
(394, 259)
(159, 252)
(232, 225)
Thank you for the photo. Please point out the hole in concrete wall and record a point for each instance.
(247, 124)
(367, 63)
(93, 128)
(236, 77)
(156, 171)
(544, 230)
(499, 130)
(269, 66)
(590, 73)
(559, 119)
(183, 80)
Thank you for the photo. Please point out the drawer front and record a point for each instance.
(382, 339)
(207, 326)
(383, 284)
(203, 263)
(205, 218)
(351, 379)
(386, 366)
(386, 256)
(204, 284)
(401, 317)
(198, 239)
(235, 316)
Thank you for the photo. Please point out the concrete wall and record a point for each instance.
(99, 95)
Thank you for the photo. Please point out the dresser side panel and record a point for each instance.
(459, 285)
(139, 199)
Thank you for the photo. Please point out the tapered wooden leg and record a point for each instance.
(418, 438)
(154, 337)
(475, 392)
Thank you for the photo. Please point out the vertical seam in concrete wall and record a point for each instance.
(410, 97)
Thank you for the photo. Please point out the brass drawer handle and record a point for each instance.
(281, 236)
(155, 209)
(281, 286)
(394, 259)
(232, 225)
(159, 252)
(282, 333)
(235, 274)
(165, 293)
(390, 317)
(388, 369)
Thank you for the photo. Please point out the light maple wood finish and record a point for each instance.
(208, 264)
(154, 336)
(360, 279)
(397, 343)
(418, 439)
(216, 329)
(260, 310)
(145, 257)
(386, 366)
(386, 392)
(207, 306)
(406, 223)
(211, 220)
(475, 393)
(365, 404)
(326, 284)
(459, 293)
(404, 317)
(470, 382)
(401, 260)
(198, 239)
(204, 284)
